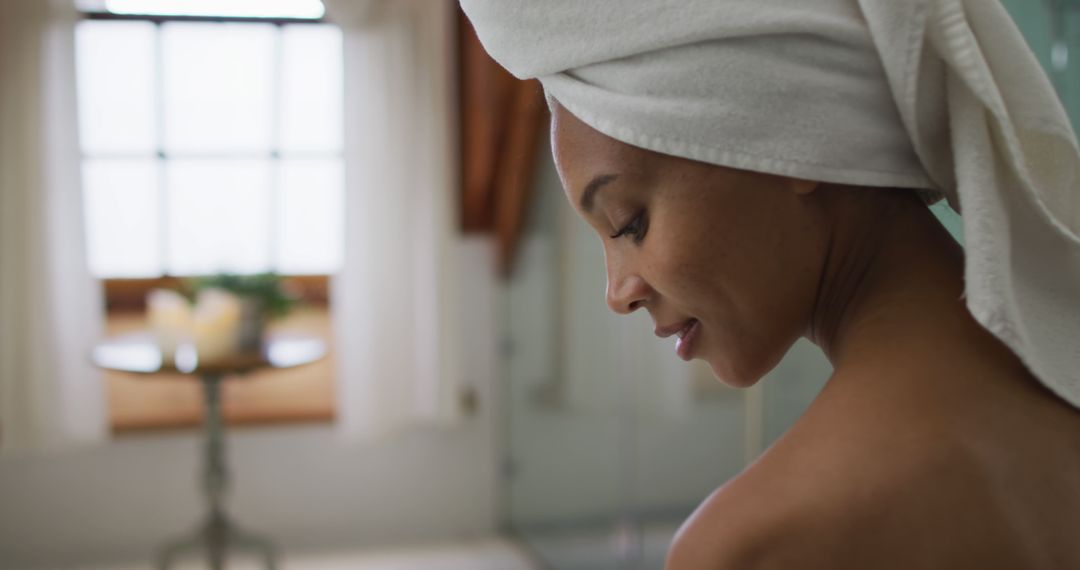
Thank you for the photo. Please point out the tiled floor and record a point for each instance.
(481, 555)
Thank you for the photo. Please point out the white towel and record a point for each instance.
(941, 96)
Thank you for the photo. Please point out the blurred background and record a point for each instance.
(477, 406)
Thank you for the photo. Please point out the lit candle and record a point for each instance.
(169, 315)
(217, 324)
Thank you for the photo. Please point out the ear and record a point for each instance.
(802, 187)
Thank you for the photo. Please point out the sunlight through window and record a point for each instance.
(211, 147)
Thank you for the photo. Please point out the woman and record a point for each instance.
(758, 171)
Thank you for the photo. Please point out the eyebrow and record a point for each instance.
(588, 197)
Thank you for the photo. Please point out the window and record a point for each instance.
(210, 146)
(211, 137)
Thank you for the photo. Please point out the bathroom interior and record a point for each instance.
(546, 433)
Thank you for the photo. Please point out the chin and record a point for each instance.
(744, 364)
(733, 375)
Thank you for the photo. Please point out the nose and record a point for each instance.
(625, 293)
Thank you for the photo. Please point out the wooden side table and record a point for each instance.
(138, 353)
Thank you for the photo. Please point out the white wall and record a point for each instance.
(303, 486)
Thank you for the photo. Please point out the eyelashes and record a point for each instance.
(636, 228)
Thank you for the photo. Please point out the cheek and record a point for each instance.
(686, 270)
(756, 296)
(703, 272)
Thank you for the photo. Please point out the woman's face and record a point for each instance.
(727, 259)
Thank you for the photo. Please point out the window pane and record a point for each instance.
(218, 86)
(310, 219)
(311, 88)
(219, 216)
(121, 201)
(115, 67)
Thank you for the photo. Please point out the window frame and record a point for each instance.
(128, 294)
(123, 295)
(160, 19)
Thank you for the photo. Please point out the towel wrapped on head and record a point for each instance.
(940, 96)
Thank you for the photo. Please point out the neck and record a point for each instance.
(891, 273)
(891, 318)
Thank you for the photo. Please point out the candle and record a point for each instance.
(217, 324)
(169, 315)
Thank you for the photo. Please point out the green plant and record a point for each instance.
(266, 288)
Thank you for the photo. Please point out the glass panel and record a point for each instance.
(218, 86)
(311, 88)
(950, 219)
(219, 216)
(310, 216)
(121, 201)
(1052, 29)
(791, 387)
(563, 398)
(115, 67)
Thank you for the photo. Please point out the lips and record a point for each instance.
(687, 332)
(686, 329)
(679, 328)
(684, 347)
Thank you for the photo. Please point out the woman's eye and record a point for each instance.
(635, 228)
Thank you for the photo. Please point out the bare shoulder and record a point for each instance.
(724, 533)
(748, 524)
(887, 475)
(810, 505)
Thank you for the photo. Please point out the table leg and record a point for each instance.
(218, 533)
(215, 472)
(215, 538)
